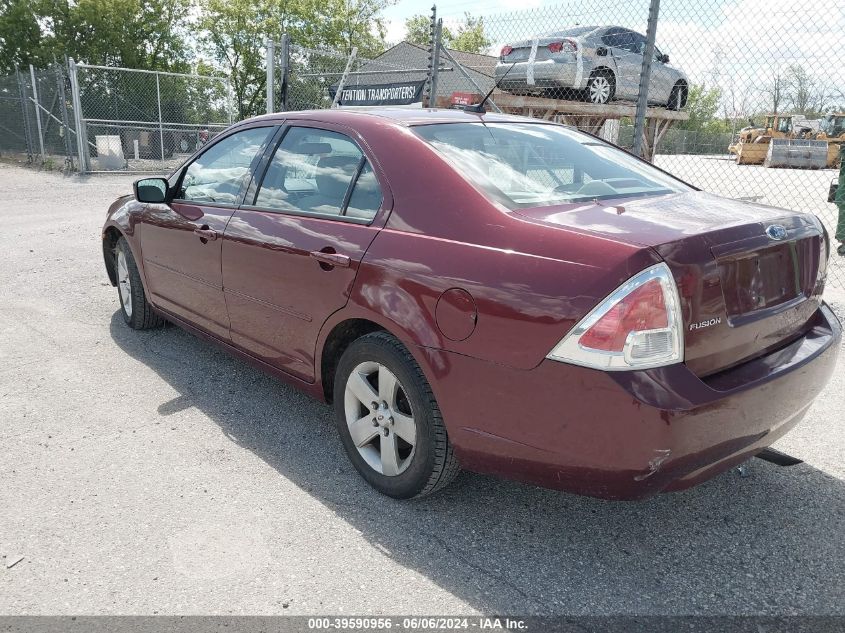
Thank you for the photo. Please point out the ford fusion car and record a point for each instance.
(601, 62)
(487, 292)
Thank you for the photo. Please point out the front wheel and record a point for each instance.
(136, 310)
(677, 98)
(389, 421)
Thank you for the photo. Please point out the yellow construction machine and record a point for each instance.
(832, 130)
(786, 140)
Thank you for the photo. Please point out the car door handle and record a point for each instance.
(332, 259)
(206, 233)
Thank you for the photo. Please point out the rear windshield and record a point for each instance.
(533, 165)
(573, 32)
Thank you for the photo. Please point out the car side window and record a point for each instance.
(611, 37)
(313, 170)
(218, 174)
(366, 197)
(637, 42)
(631, 42)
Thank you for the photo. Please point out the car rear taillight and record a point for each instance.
(506, 50)
(636, 327)
(565, 46)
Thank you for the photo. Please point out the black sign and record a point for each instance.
(400, 93)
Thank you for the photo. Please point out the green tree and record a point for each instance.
(702, 106)
(146, 34)
(469, 36)
(20, 36)
(234, 34)
(418, 30)
(343, 24)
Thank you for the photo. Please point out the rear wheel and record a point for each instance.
(601, 87)
(136, 310)
(389, 421)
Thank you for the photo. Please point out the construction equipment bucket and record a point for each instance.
(796, 153)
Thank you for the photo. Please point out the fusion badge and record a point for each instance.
(703, 324)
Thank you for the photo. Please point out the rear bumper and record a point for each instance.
(547, 74)
(628, 435)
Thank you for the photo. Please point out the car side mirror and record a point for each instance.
(601, 51)
(151, 190)
(831, 194)
(665, 59)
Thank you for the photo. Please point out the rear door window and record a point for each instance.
(611, 37)
(319, 172)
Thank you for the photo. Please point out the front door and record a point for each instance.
(662, 79)
(290, 256)
(181, 241)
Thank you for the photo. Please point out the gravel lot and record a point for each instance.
(152, 473)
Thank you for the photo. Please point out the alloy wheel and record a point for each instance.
(124, 284)
(381, 423)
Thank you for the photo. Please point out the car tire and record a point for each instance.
(601, 87)
(420, 460)
(136, 310)
(677, 97)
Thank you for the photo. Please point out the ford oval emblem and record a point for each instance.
(776, 231)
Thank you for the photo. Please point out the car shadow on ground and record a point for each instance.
(768, 543)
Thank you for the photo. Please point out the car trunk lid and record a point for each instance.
(749, 276)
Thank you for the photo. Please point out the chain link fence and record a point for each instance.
(732, 97)
(302, 78)
(35, 119)
(712, 78)
(138, 120)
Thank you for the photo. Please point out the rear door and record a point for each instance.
(627, 53)
(292, 251)
(181, 241)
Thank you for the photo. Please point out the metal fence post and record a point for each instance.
(345, 76)
(270, 63)
(30, 149)
(160, 126)
(435, 70)
(432, 46)
(60, 91)
(37, 111)
(79, 122)
(284, 71)
(645, 77)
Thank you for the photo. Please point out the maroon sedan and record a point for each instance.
(499, 293)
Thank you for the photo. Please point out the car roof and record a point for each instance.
(399, 116)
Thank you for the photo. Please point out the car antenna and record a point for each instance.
(479, 107)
